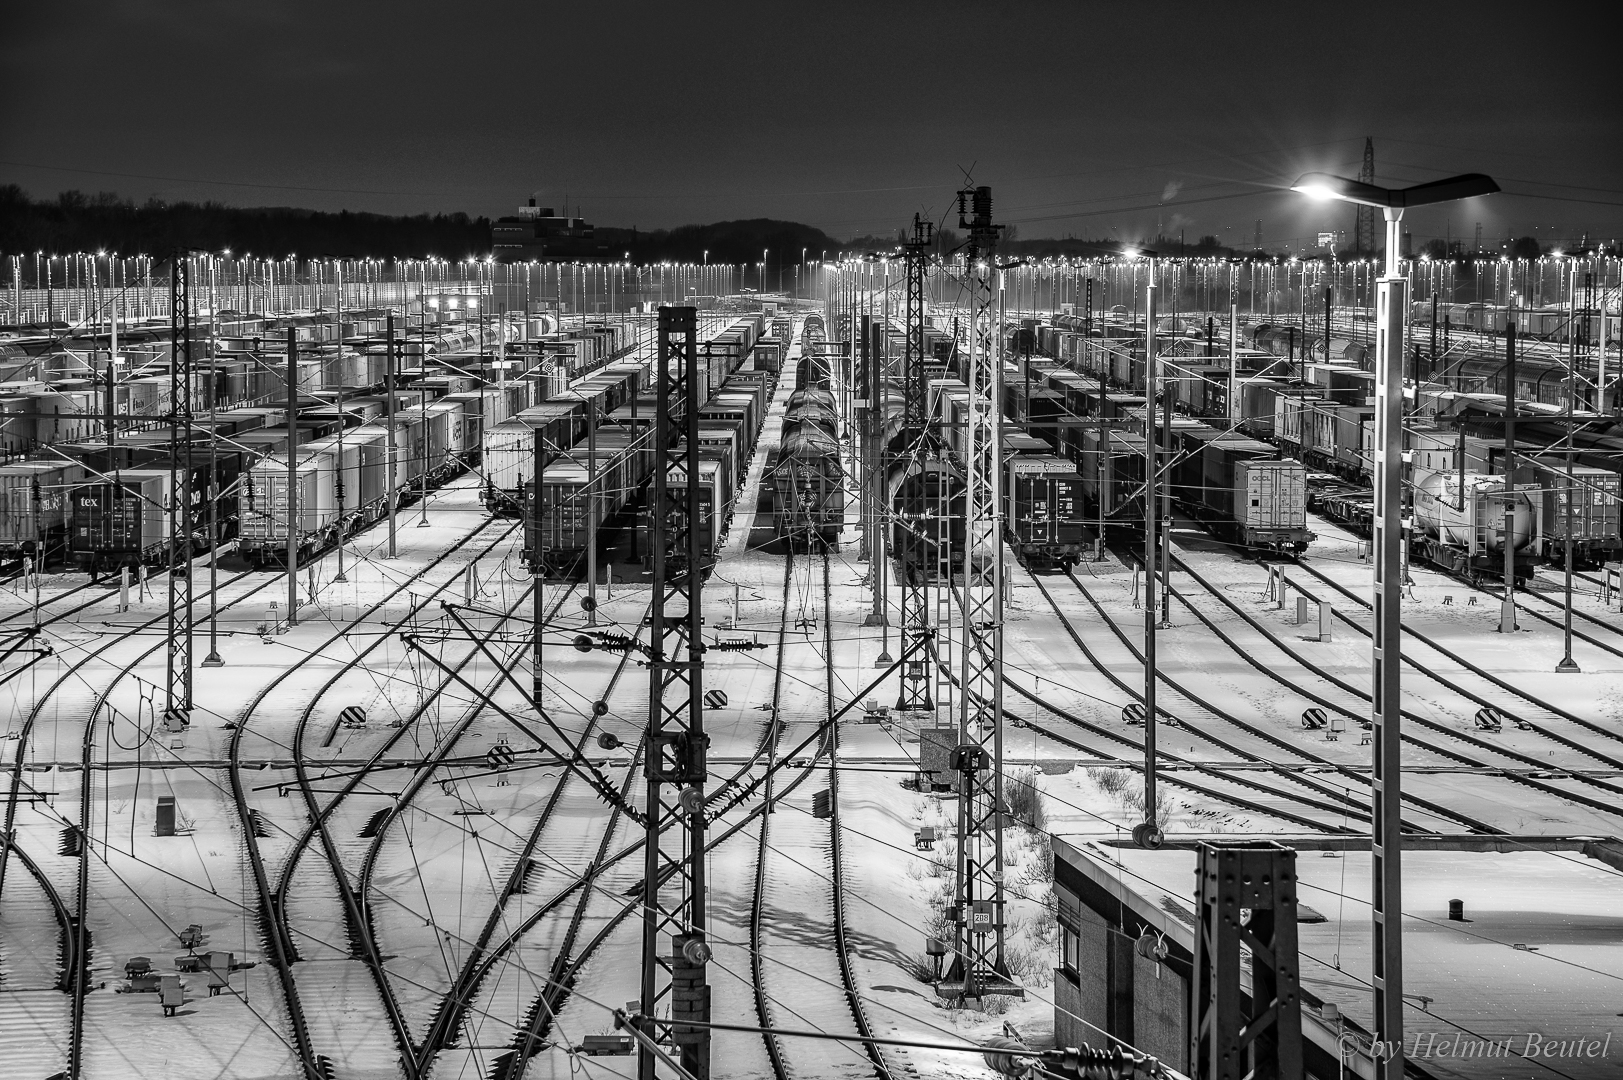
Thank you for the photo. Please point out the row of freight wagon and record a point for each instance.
(1042, 492)
(35, 414)
(1325, 420)
(1464, 531)
(562, 423)
(1236, 484)
(596, 458)
(62, 396)
(121, 513)
(807, 477)
(101, 505)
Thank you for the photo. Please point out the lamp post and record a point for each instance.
(1567, 666)
(1386, 891)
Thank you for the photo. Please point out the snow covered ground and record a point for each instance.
(430, 880)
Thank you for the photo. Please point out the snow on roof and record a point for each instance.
(1532, 977)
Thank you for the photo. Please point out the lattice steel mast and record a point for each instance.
(1364, 228)
(916, 443)
(978, 966)
(179, 667)
(673, 938)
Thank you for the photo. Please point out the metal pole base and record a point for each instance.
(1567, 667)
(1507, 616)
(213, 660)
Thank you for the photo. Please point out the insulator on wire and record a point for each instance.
(1003, 1063)
(736, 645)
(1113, 1063)
(606, 642)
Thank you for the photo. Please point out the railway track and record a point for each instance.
(1517, 714)
(769, 741)
(35, 1016)
(548, 840)
(1532, 771)
(1521, 596)
(82, 837)
(88, 702)
(793, 979)
(1340, 800)
(275, 926)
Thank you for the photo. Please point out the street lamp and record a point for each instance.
(1386, 775)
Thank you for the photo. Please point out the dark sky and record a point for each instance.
(1092, 119)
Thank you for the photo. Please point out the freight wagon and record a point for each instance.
(1238, 488)
(1586, 508)
(120, 517)
(340, 485)
(1044, 511)
(1464, 524)
(34, 507)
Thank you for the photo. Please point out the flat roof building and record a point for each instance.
(1526, 976)
(536, 234)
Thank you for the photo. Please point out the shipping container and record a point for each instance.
(34, 504)
(120, 521)
(264, 515)
(1583, 505)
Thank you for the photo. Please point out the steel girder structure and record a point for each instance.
(673, 939)
(917, 443)
(179, 666)
(978, 966)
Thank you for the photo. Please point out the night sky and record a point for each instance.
(1110, 120)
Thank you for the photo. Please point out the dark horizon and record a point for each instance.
(1086, 120)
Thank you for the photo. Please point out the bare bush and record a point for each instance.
(1110, 781)
(1021, 795)
(1030, 965)
(1042, 856)
(1134, 801)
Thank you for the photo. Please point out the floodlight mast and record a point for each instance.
(1386, 975)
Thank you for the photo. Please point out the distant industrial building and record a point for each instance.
(536, 234)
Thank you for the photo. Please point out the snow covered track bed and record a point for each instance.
(35, 965)
(319, 910)
(797, 910)
(1231, 786)
(1458, 772)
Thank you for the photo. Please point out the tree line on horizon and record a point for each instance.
(75, 221)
